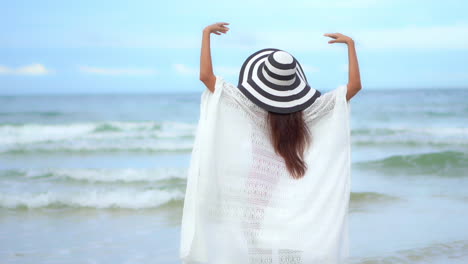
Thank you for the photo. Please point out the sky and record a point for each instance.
(153, 46)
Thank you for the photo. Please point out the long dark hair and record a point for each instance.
(290, 137)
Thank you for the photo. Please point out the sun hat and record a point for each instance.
(274, 80)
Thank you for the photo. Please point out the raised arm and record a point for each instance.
(206, 68)
(354, 78)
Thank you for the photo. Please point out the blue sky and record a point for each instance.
(154, 46)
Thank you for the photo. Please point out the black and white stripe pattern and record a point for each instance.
(275, 81)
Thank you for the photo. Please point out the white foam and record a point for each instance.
(97, 198)
(110, 175)
(36, 133)
(104, 144)
(411, 135)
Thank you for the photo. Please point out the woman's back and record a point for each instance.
(249, 208)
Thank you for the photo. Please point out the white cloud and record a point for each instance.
(227, 70)
(415, 37)
(411, 37)
(32, 69)
(309, 68)
(452, 36)
(187, 70)
(183, 69)
(290, 40)
(117, 71)
(344, 67)
(341, 4)
(142, 40)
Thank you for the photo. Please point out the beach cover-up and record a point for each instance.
(241, 204)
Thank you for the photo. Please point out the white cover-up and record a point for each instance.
(241, 204)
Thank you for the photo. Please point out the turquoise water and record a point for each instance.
(101, 178)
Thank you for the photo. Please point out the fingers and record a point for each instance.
(218, 32)
(222, 24)
(220, 27)
(331, 35)
(223, 30)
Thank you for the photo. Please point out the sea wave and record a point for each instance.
(32, 114)
(151, 136)
(442, 163)
(410, 136)
(97, 198)
(360, 201)
(39, 133)
(102, 146)
(442, 131)
(127, 175)
(365, 197)
(456, 250)
(132, 198)
(97, 137)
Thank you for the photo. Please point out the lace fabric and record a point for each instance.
(241, 204)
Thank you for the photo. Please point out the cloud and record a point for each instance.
(180, 40)
(416, 37)
(309, 68)
(186, 70)
(226, 70)
(340, 4)
(117, 71)
(412, 37)
(299, 38)
(32, 69)
(344, 67)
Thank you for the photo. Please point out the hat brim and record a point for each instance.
(254, 84)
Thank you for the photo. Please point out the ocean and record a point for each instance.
(101, 178)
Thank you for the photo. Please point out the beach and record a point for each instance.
(101, 178)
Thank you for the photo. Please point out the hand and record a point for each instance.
(217, 28)
(338, 38)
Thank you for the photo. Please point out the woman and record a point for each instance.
(269, 179)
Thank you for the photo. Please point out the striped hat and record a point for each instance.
(274, 80)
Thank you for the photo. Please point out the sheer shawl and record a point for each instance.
(242, 206)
